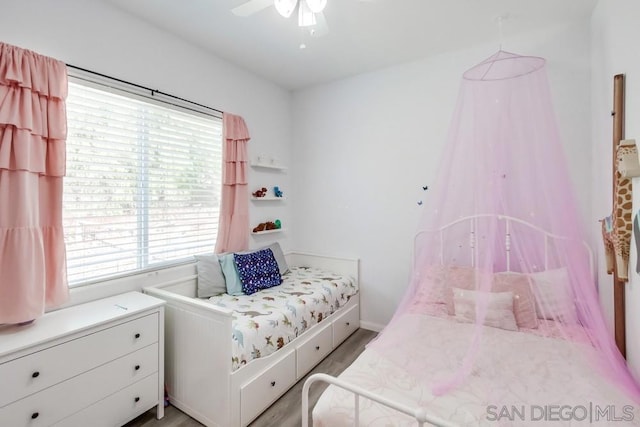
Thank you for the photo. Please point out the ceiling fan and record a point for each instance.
(310, 14)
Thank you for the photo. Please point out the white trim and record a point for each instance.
(134, 282)
(371, 326)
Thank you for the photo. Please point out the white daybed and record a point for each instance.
(198, 345)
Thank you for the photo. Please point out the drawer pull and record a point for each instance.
(348, 323)
(137, 367)
(273, 383)
(137, 399)
(317, 347)
(35, 415)
(36, 374)
(137, 336)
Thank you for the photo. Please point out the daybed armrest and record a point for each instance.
(188, 303)
(173, 292)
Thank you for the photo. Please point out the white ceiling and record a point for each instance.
(363, 35)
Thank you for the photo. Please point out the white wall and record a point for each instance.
(99, 37)
(614, 38)
(360, 149)
(364, 147)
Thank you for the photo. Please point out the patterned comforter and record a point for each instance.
(266, 321)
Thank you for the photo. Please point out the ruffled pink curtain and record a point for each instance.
(33, 130)
(233, 226)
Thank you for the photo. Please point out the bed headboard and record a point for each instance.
(509, 223)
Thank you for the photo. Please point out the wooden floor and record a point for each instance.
(285, 412)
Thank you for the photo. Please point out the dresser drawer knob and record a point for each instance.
(36, 374)
(317, 347)
(35, 415)
(137, 367)
(273, 383)
(137, 399)
(137, 336)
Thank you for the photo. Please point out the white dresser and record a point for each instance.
(94, 364)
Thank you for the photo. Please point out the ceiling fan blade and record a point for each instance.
(321, 28)
(251, 7)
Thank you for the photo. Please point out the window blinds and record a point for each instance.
(143, 183)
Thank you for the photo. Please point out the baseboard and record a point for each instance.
(370, 326)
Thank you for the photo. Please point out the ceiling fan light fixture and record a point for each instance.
(306, 18)
(316, 6)
(285, 7)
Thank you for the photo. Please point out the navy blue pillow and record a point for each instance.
(257, 270)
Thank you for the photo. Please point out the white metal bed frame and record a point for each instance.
(420, 414)
(473, 221)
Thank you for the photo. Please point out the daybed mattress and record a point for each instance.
(532, 374)
(266, 321)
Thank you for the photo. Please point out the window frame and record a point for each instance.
(140, 93)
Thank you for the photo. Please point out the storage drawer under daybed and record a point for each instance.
(267, 387)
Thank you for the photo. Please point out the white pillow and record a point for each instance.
(553, 294)
(499, 308)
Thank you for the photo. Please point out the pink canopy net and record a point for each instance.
(501, 245)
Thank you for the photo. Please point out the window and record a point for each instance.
(143, 183)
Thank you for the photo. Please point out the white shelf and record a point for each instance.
(277, 230)
(268, 166)
(268, 198)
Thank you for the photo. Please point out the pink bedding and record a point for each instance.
(546, 328)
(532, 373)
(434, 297)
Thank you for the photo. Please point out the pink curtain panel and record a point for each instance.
(233, 227)
(33, 131)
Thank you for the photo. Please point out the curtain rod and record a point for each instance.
(153, 91)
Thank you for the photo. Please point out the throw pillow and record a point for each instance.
(554, 300)
(283, 267)
(524, 302)
(463, 278)
(210, 278)
(499, 313)
(258, 270)
(231, 276)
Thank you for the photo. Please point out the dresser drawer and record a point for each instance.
(313, 351)
(37, 371)
(345, 325)
(117, 409)
(256, 395)
(62, 400)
